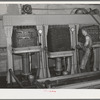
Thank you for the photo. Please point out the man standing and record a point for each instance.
(85, 51)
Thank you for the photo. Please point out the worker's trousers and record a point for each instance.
(85, 58)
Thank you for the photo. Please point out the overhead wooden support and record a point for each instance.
(48, 19)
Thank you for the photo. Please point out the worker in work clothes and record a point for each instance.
(86, 55)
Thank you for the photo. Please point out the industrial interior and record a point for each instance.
(50, 46)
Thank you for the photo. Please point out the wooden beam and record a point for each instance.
(60, 54)
(73, 76)
(26, 49)
(15, 20)
(89, 84)
(96, 45)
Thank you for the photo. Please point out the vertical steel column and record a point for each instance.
(43, 70)
(25, 64)
(58, 68)
(77, 54)
(8, 32)
(73, 43)
(45, 27)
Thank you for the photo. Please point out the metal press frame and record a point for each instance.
(42, 22)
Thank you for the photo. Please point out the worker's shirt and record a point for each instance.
(88, 41)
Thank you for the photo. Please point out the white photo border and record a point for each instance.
(46, 93)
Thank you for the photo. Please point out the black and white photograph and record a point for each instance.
(49, 46)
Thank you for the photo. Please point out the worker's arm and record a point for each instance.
(87, 41)
(79, 45)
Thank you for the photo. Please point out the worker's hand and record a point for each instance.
(78, 47)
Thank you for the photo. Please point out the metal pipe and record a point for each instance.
(64, 60)
(58, 68)
(68, 64)
(19, 83)
(65, 72)
(25, 64)
(30, 61)
(11, 80)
